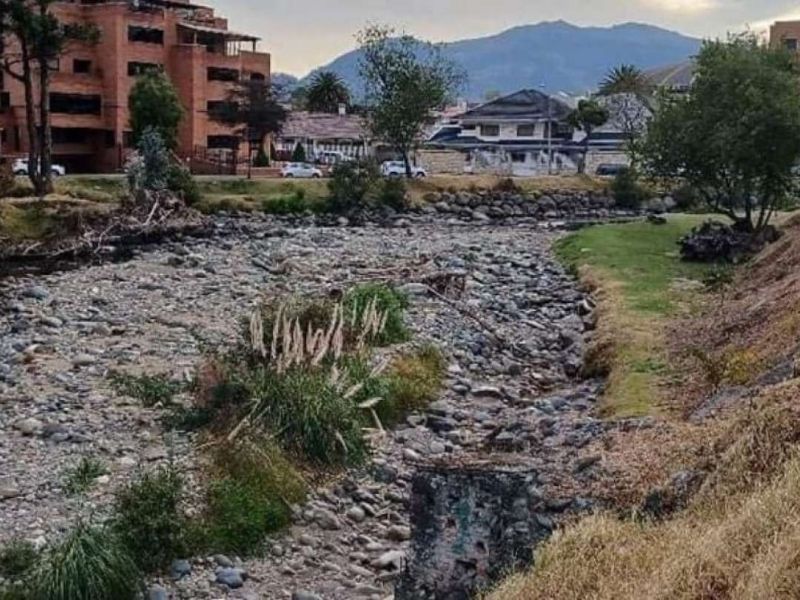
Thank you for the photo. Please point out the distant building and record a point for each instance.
(676, 78)
(521, 134)
(89, 97)
(325, 137)
(785, 34)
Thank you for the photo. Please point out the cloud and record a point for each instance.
(683, 6)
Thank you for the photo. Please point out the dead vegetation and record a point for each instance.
(737, 536)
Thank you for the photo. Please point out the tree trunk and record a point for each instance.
(30, 116)
(45, 129)
(406, 163)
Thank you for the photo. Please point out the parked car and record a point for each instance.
(301, 171)
(610, 170)
(396, 168)
(20, 167)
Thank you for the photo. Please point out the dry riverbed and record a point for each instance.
(513, 341)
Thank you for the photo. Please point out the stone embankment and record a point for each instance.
(514, 342)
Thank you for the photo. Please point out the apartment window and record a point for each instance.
(258, 77)
(81, 66)
(110, 138)
(469, 127)
(222, 141)
(518, 157)
(490, 130)
(218, 108)
(70, 135)
(5, 101)
(139, 68)
(525, 130)
(790, 44)
(76, 104)
(222, 74)
(147, 35)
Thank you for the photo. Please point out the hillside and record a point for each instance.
(559, 55)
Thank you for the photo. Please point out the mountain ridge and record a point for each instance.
(568, 57)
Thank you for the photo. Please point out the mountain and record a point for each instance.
(558, 55)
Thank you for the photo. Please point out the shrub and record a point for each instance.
(299, 153)
(506, 186)
(393, 193)
(629, 193)
(261, 159)
(82, 477)
(89, 564)
(148, 520)
(350, 185)
(686, 198)
(290, 204)
(17, 558)
(181, 182)
(250, 498)
(387, 299)
(7, 179)
(149, 389)
(414, 380)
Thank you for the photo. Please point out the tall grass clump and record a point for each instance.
(17, 558)
(91, 563)
(385, 299)
(148, 520)
(149, 389)
(250, 496)
(81, 478)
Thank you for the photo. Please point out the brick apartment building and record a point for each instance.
(786, 34)
(89, 91)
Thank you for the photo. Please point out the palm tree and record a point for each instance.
(326, 92)
(626, 79)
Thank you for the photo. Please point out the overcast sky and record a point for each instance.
(303, 34)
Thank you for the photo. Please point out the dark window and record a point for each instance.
(525, 130)
(5, 101)
(81, 66)
(148, 35)
(222, 141)
(490, 130)
(3, 136)
(258, 77)
(518, 157)
(790, 44)
(139, 68)
(217, 108)
(222, 74)
(70, 135)
(469, 127)
(110, 138)
(75, 104)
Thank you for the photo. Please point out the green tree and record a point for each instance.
(153, 103)
(32, 40)
(405, 81)
(253, 110)
(299, 153)
(626, 79)
(588, 116)
(735, 137)
(326, 92)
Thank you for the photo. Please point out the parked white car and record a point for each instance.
(301, 171)
(396, 168)
(20, 167)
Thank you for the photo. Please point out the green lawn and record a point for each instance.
(642, 283)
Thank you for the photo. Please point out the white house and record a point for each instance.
(325, 135)
(522, 134)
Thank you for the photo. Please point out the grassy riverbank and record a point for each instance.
(641, 282)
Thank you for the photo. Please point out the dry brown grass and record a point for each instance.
(738, 540)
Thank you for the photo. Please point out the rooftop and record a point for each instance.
(324, 126)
